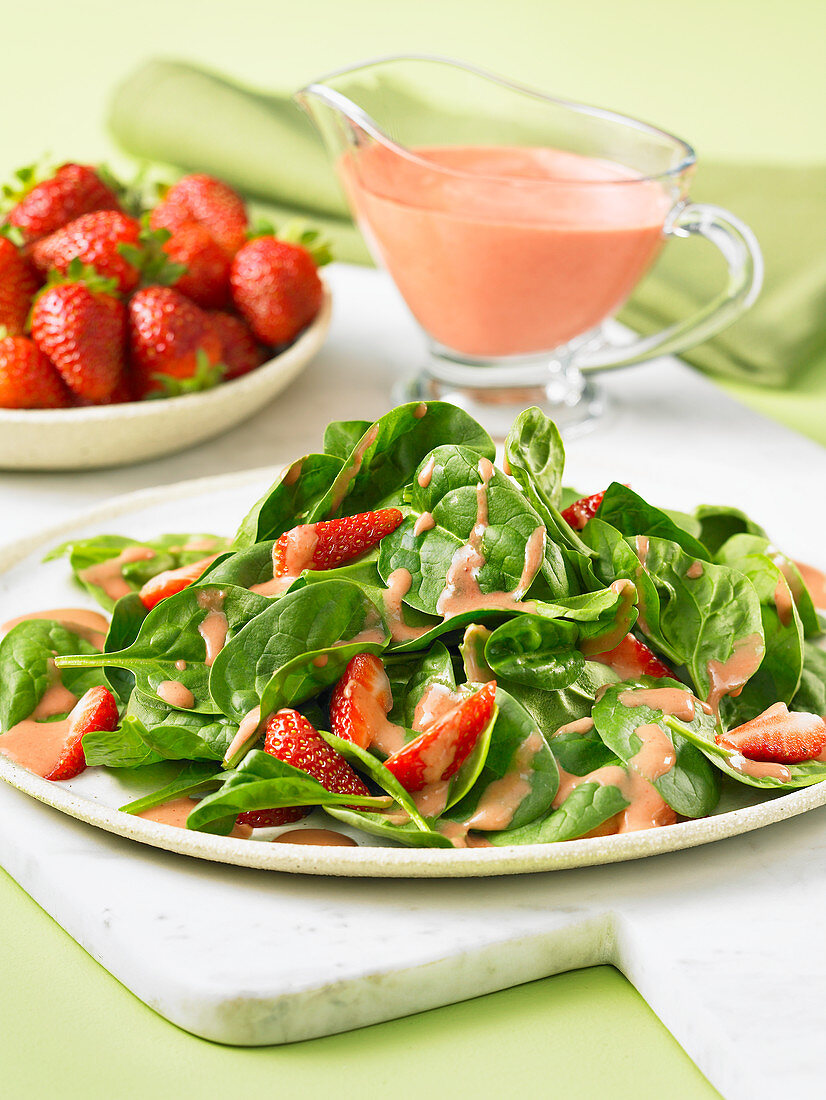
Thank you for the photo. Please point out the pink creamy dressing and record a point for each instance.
(647, 809)
(783, 601)
(321, 660)
(35, 743)
(462, 592)
(815, 581)
(758, 769)
(180, 665)
(246, 732)
(694, 570)
(627, 592)
(299, 546)
(374, 707)
(432, 799)
(199, 544)
(728, 677)
(398, 585)
(323, 837)
(348, 475)
(294, 473)
(641, 545)
(420, 410)
(504, 796)
(581, 725)
(436, 702)
(673, 701)
(107, 574)
(213, 629)
(176, 694)
(426, 473)
(178, 810)
(425, 522)
(90, 625)
(441, 219)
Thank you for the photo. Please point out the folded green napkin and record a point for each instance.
(261, 143)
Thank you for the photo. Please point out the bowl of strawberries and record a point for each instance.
(129, 330)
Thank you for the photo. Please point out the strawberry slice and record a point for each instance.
(96, 710)
(291, 738)
(439, 752)
(171, 581)
(578, 514)
(360, 703)
(778, 736)
(331, 542)
(632, 659)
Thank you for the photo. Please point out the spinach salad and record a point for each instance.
(490, 657)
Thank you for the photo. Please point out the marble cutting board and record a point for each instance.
(723, 941)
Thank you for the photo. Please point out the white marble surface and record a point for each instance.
(723, 941)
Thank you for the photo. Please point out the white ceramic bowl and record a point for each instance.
(116, 435)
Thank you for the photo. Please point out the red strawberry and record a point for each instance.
(333, 541)
(361, 701)
(578, 514)
(439, 752)
(275, 286)
(206, 280)
(95, 239)
(27, 379)
(291, 738)
(631, 659)
(171, 581)
(96, 710)
(18, 283)
(241, 352)
(169, 335)
(73, 190)
(779, 736)
(204, 199)
(82, 329)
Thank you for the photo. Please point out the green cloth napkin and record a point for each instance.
(261, 143)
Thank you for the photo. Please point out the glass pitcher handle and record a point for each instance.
(745, 277)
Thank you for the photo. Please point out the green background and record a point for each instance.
(738, 80)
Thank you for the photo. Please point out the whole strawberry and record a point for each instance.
(208, 201)
(206, 279)
(27, 379)
(276, 288)
(18, 283)
(81, 326)
(73, 190)
(95, 239)
(171, 337)
(240, 351)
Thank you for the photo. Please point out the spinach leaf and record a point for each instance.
(535, 651)
(690, 786)
(519, 769)
(246, 567)
(27, 667)
(169, 639)
(377, 824)
(306, 621)
(586, 808)
(552, 709)
(811, 695)
(288, 502)
(718, 523)
(411, 676)
(626, 511)
(127, 618)
(452, 499)
(380, 464)
(262, 782)
(472, 650)
(341, 436)
(120, 748)
(583, 752)
(778, 676)
(534, 447)
(167, 552)
(192, 779)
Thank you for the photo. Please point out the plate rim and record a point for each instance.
(364, 861)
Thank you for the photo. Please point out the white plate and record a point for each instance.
(26, 584)
(115, 435)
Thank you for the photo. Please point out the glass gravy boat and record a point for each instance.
(514, 225)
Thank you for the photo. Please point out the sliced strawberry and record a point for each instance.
(171, 581)
(96, 710)
(332, 542)
(439, 752)
(578, 514)
(361, 701)
(632, 659)
(779, 736)
(291, 738)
